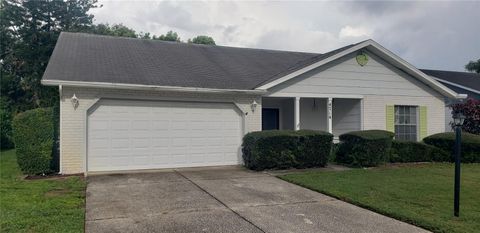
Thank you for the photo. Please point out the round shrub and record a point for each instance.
(365, 148)
(405, 152)
(280, 149)
(33, 133)
(446, 141)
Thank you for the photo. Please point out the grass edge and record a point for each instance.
(371, 208)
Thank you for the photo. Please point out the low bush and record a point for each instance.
(364, 148)
(280, 149)
(33, 133)
(405, 152)
(446, 141)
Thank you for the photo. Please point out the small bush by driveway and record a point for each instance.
(54, 205)
(419, 194)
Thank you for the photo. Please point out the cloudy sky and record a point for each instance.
(436, 35)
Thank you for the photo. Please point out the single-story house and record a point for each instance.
(466, 83)
(129, 104)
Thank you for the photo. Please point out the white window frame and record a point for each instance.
(417, 121)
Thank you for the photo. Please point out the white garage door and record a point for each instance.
(127, 135)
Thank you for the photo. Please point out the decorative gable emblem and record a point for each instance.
(362, 58)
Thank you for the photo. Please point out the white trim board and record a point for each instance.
(148, 87)
(379, 50)
(308, 95)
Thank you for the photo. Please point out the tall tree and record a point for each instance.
(29, 31)
(473, 66)
(202, 40)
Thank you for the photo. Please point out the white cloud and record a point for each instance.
(438, 35)
(349, 31)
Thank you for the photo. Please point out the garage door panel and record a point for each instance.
(124, 135)
(100, 124)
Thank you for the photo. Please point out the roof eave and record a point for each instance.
(48, 82)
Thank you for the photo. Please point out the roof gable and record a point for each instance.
(346, 78)
(378, 50)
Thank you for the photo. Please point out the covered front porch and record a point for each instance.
(335, 115)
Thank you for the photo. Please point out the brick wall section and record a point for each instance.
(73, 121)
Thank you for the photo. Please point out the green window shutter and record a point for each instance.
(390, 118)
(423, 122)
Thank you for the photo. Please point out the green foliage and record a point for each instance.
(114, 30)
(202, 40)
(314, 148)
(6, 141)
(406, 152)
(170, 36)
(473, 66)
(33, 133)
(364, 148)
(333, 153)
(446, 141)
(285, 148)
(29, 31)
(471, 110)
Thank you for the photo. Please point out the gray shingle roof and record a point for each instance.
(470, 80)
(94, 58)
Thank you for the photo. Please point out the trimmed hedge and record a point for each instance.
(364, 148)
(33, 133)
(446, 142)
(406, 152)
(280, 149)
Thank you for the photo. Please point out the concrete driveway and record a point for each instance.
(223, 199)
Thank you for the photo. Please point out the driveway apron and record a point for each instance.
(221, 199)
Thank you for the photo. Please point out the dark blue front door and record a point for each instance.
(270, 119)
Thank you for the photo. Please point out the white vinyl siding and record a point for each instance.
(346, 77)
(346, 116)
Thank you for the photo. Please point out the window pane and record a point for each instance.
(413, 119)
(406, 123)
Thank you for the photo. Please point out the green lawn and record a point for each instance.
(39, 205)
(418, 194)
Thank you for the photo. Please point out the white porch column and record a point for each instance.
(329, 115)
(297, 113)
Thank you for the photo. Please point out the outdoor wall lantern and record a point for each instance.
(458, 119)
(254, 105)
(74, 101)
